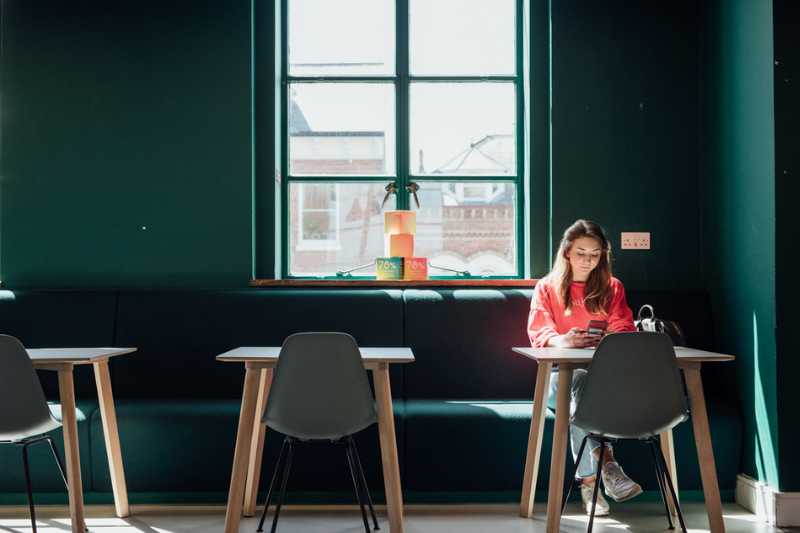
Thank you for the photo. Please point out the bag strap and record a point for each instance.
(652, 312)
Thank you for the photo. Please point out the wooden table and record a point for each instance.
(570, 358)
(63, 360)
(259, 364)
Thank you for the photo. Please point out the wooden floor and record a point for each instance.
(628, 517)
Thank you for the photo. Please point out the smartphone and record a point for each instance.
(596, 328)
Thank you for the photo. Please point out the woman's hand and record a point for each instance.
(574, 338)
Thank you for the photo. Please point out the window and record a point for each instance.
(402, 104)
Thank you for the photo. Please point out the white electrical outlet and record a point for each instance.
(636, 241)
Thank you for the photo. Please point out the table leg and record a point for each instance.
(107, 412)
(559, 456)
(391, 465)
(535, 439)
(69, 423)
(241, 455)
(668, 447)
(257, 446)
(705, 455)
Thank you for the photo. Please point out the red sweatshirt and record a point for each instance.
(547, 318)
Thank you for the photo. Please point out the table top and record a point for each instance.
(74, 355)
(270, 353)
(584, 355)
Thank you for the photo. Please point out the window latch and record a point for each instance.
(390, 188)
(413, 187)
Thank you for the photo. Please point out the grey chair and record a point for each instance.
(24, 414)
(319, 392)
(633, 391)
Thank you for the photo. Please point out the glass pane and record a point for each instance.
(342, 38)
(463, 129)
(467, 226)
(341, 129)
(461, 37)
(341, 228)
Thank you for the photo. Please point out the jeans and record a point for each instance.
(588, 465)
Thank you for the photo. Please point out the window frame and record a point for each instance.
(403, 80)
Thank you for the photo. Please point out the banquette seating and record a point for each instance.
(462, 409)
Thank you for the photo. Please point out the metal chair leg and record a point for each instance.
(354, 475)
(31, 511)
(660, 477)
(292, 444)
(571, 479)
(281, 457)
(58, 461)
(364, 484)
(597, 484)
(671, 487)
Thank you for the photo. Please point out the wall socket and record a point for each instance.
(636, 241)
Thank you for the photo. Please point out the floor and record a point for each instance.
(629, 517)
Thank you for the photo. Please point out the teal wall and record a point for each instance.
(626, 132)
(738, 208)
(120, 116)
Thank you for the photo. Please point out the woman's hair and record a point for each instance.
(597, 296)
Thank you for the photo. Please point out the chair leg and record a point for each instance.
(571, 479)
(292, 444)
(597, 484)
(281, 457)
(660, 477)
(28, 483)
(58, 461)
(671, 487)
(354, 475)
(364, 484)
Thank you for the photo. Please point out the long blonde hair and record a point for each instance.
(597, 297)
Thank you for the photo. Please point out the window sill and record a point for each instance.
(347, 283)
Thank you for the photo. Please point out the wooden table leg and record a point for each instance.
(668, 447)
(560, 440)
(257, 446)
(69, 423)
(103, 381)
(535, 439)
(244, 436)
(705, 455)
(391, 464)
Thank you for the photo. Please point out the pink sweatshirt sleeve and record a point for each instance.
(621, 317)
(541, 325)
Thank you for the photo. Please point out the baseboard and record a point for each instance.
(779, 508)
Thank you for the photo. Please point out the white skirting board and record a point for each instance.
(779, 508)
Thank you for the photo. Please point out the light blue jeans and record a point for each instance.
(588, 464)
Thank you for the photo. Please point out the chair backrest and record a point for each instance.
(23, 407)
(320, 388)
(633, 387)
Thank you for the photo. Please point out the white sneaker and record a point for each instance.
(618, 486)
(587, 492)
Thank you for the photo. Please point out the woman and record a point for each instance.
(578, 289)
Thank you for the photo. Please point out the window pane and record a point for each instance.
(467, 226)
(463, 129)
(335, 226)
(341, 129)
(461, 37)
(342, 38)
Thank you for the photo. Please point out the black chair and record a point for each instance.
(633, 391)
(319, 392)
(24, 414)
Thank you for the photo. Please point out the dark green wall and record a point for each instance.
(739, 214)
(120, 116)
(626, 131)
(786, 13)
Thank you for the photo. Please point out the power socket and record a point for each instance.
(636, 241)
